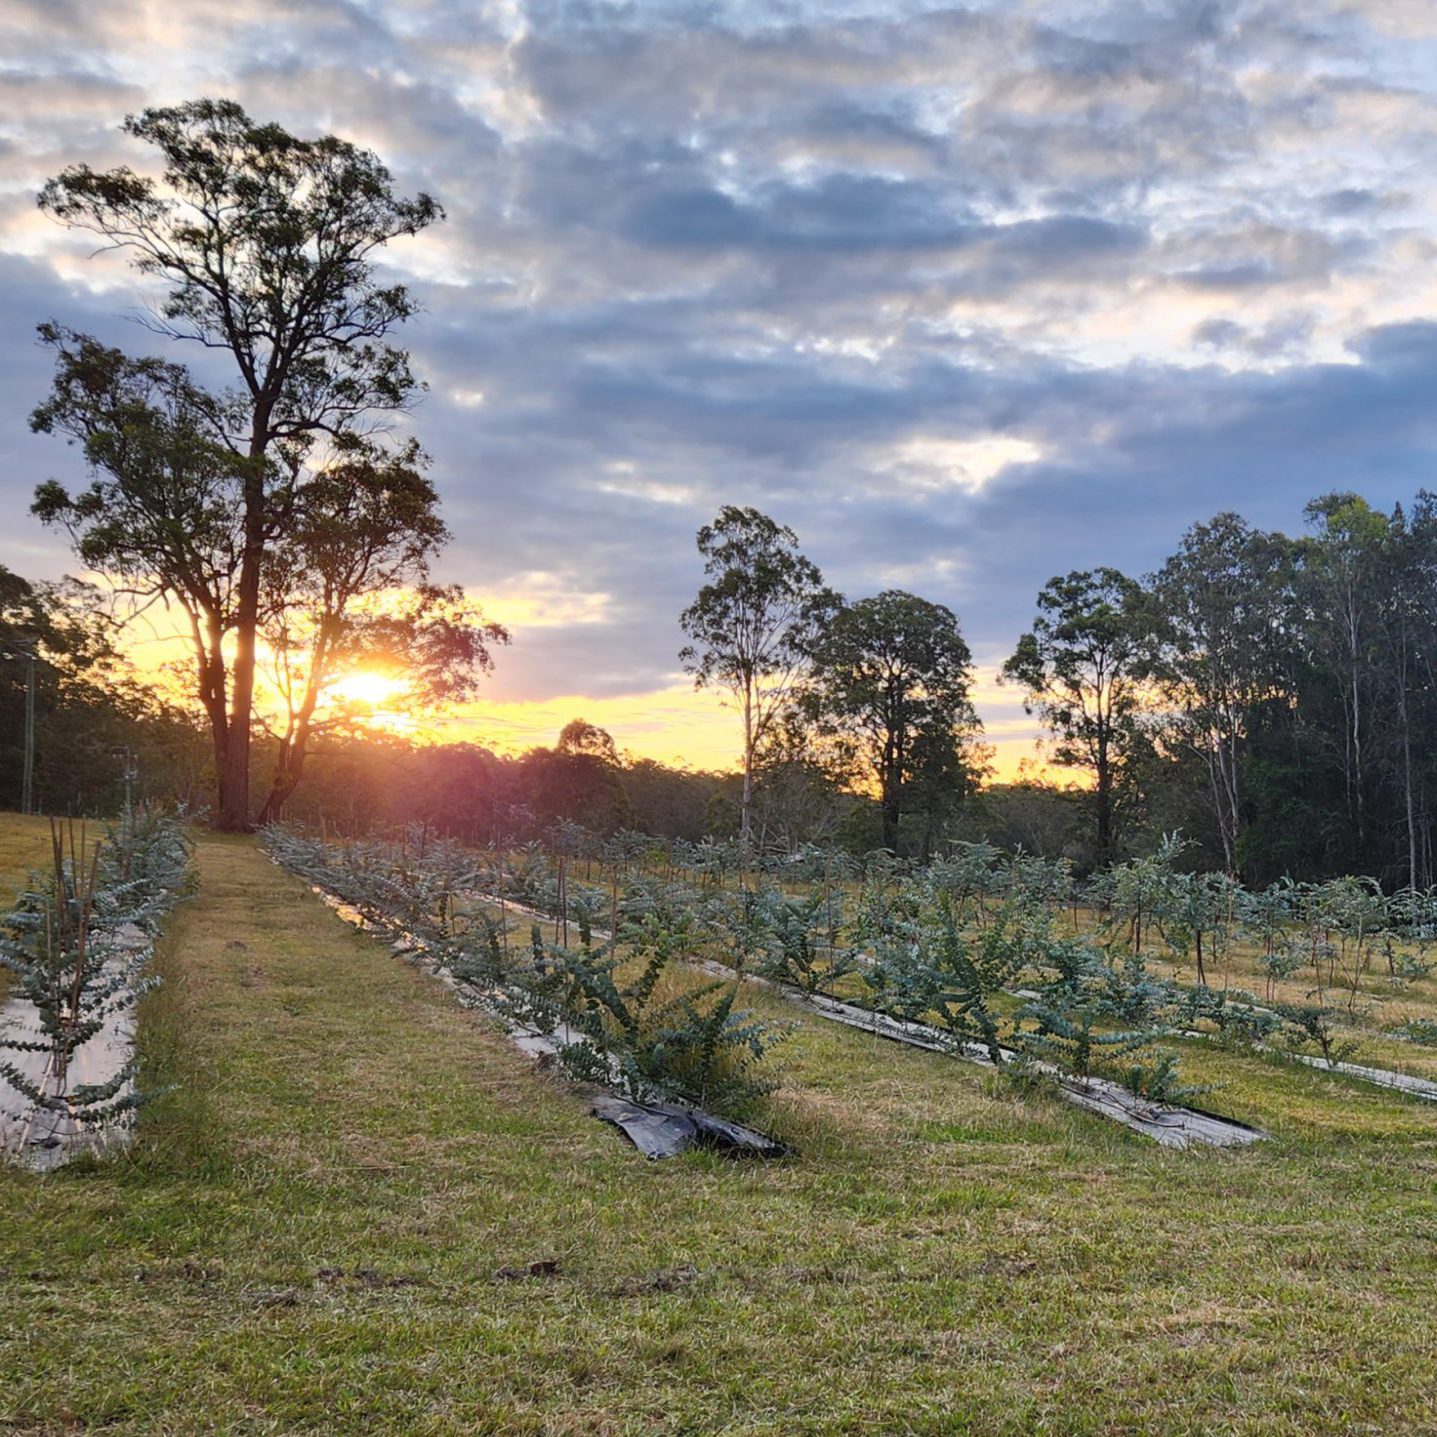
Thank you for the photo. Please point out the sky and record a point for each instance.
(969, 297)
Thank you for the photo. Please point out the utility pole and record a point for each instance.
(27, 781)
(129, 772)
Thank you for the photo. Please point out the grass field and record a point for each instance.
(24, 847)
(328, 1227)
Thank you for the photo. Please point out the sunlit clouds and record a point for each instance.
(932, 463)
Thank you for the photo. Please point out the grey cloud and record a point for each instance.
(1234, 276)
(1288, 333)
(1356, 202)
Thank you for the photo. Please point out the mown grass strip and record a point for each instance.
(331, 1228)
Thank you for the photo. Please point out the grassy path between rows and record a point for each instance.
(314, 1232)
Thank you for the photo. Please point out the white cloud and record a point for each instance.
(927, 462)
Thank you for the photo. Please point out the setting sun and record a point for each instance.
(367, 687)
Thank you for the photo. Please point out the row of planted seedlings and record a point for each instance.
(937, 953)
(975, 950)
(949, 946)
(618, 1008)
(77, 946)
(1342, 942)
(969, 932)
(1329, 956)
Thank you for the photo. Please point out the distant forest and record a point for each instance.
(1270, 697)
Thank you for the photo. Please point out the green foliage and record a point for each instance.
(798, 947)
(93, 713)
(1090, 1014)
(621, 1009)
(1159, 1082)
(1238, 1018)
(1081, 667)
(742, 920)
(213, 498)
(947, 945)
(753, 624)
(1420, 1030)
(891, 688)
(1135, 996)
(1224, 654)
(1309, 1027)
(642, 1033)
(78, 943)
(1071, 1034)
(969, 971)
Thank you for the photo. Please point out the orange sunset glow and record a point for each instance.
(677, 724)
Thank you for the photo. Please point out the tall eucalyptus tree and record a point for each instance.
(1227, 633)
(264, 244)
(1082, 666)
(753, 625)
(892, 682)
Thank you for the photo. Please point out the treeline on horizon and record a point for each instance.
(1271, 697)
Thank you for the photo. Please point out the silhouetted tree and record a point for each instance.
(1226, 630)
(890, 687)
(753, 623)
(94, 717)
(266, 242)
(1082, 666)
(346, 590)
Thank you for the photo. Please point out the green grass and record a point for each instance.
(24, 847)
(308, 1236)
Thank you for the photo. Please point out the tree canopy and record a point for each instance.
(1082, 667)
(753, 625)
(891, 686)
(264, 245)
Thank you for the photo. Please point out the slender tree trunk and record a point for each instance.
(888, 797)
(892, 813)
(1229, 771)
(1359, 805)
(284, 783)
(288, 770)
(294, 747)
(1219, 802)
(233, 816)
(210, 681)
(1404, 716)
(1104, 803)
(745, 827)
(1409, 805)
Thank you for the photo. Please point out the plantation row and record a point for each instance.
(1344, 936)
(1003, 955)
(77, 945)
(622, 1013)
